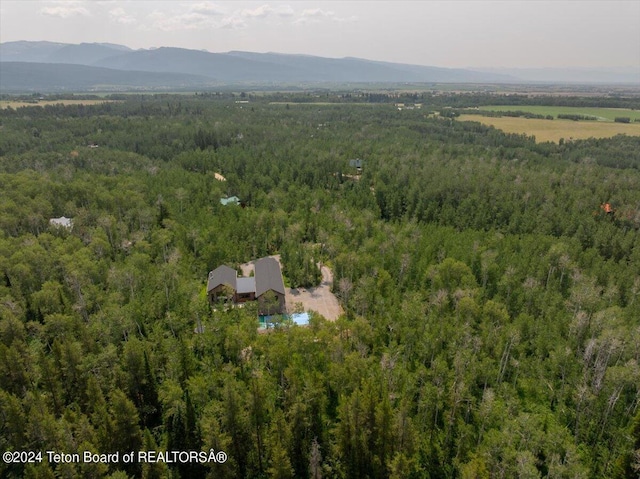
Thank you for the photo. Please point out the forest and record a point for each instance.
(490, 283)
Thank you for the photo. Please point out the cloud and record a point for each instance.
(206, 15)
(259, 12)
(168, 23)
(240, 17)
(200, 16)
(206, 8)
(317, 15)
(233, 22)
(197, 16)
(284, 11)
(65, 9)
(118, 15)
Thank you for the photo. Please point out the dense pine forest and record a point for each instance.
(491, 289)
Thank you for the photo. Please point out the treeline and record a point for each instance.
(491, 304)
(574, 117)
(438, 99)
(470, 100)
(508, 113)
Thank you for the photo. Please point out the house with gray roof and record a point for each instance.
(221, 284)
(269, 286)
(245, 289)
(266, 286)
(357, 164)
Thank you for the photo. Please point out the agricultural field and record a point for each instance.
(602, 114)
(554, 130)
(17, 104)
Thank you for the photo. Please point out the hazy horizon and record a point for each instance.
(458, 34)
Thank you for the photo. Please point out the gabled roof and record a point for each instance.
(268, 276)
(246, 285)
(222, 275)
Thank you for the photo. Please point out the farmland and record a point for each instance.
(17, 104)
(554, 130)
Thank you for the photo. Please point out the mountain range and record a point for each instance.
(49, 66)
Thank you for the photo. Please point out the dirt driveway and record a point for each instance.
(319, 298)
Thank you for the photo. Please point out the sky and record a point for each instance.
(454, 33)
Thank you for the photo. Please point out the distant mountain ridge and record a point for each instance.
(50, 52)
(20, 77)
(181, 67)
(204, 67)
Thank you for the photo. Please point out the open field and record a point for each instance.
(553, 130)
(17, 104)
(603, 114)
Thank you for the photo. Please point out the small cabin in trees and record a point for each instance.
(62, 222)
(266, 286)
(357, 164)
(606, 207)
